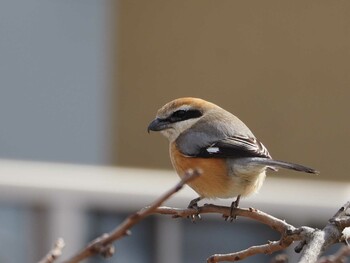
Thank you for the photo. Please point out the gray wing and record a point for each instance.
(222, 135)
(234, 147)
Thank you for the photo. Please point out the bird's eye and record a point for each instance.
(179, 114)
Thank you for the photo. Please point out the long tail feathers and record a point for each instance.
(283, 164)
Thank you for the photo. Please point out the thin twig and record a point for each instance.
(103, 244)
(54, 253)
(269, 248)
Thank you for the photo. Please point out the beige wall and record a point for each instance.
(281, 66)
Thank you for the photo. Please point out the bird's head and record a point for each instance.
(179, 115)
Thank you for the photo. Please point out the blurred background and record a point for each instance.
(81, 80)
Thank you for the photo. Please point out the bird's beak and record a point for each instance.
(157, 125)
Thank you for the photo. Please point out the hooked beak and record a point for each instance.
(157, 125)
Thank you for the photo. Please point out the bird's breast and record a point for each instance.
(214, 181)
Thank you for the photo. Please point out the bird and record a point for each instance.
(203, 136)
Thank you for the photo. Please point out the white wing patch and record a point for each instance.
(213, 149)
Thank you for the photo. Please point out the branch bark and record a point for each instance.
(320, 240)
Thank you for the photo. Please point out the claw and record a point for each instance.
(194, 217)
(194, 205)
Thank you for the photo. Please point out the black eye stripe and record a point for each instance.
(181, 115)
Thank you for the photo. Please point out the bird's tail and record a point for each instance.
(282, 164)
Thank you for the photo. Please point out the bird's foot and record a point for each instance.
(234, 205)
(194, 205)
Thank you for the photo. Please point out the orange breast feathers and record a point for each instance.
(214, 182)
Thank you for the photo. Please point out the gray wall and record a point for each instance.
(53, 88)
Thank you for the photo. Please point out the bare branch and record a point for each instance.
(103, 244)
(320, 240)
(313, 241)
(288, 232)
(252, 213)
(54, 253)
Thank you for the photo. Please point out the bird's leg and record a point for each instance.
(194, 202)
(194, 205)
(234, 205)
